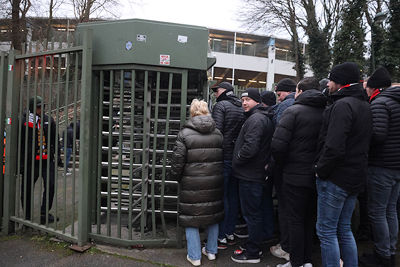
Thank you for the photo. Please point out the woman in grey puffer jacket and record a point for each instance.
(197, 164)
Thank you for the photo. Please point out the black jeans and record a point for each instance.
(253, 198)
(29, 187)
(282, 216)
(301, 210)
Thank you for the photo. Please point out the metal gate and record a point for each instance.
(46, 92)
(3, 90)
(141, 110)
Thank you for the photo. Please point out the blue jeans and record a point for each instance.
(193, 241)
(383, 190)
(334, 211)
(69, 152)
(231, 202)
(257, 214)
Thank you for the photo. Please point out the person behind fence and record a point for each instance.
(197, 164)
(40, 152)
(250, 159)
(228, 116)
(341, 164)
(294, 147)
(69, 136)
(383, 168)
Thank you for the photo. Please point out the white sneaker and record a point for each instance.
(193, 262)
(277, 251)
(287, 264)
(210, 256)
(308, 265)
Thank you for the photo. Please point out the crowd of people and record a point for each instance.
(318, 149)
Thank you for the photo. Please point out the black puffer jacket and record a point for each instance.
(295, 140)
(197, 163)
(253, 146)
(228, 116)
(385, 143)
(344, 140)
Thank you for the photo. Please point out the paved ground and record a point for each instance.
(32, 249)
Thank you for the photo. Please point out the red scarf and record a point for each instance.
(376, 92)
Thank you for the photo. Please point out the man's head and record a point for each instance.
(380, 79)
(39, 103)
(306, 84)
(343, 74)
(268, 98)
(284, 88)
(250, 98)
(220, 88)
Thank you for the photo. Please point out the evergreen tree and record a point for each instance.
(392, 43)
(349, 39)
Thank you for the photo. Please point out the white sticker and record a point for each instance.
(165, 60)
(141, 38)
(182, 39)
(128, 45)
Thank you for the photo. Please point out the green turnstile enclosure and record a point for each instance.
(129, 83)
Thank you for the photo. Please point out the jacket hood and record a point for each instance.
(355, 90)
(259, 108)
(392, 92)
(202, 123)
(311, 97)
(231, 97)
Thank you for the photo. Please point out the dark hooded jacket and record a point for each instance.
(385, 143)
(295, 140)
(344, 140)
(197, 163)
(228, 116)
(253, 146)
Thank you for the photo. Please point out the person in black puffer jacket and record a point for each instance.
(228, 116)
(250, 158)
(342, 163)
(383, 168)
(294, 147)
(197, 165)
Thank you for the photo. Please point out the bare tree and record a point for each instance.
(84, 9)
(19, 10)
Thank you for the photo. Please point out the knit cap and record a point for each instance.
(379, 79)
(253, 93)
(345, 73)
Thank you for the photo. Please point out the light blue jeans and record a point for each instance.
(193, 241)
(335, 208)
(383, 192)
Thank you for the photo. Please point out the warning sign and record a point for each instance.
(165, 60)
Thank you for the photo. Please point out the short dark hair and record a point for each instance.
(308, 84)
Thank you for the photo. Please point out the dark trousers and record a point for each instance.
(29, 187)
(301, 203)
(252, 202)
(282, 216)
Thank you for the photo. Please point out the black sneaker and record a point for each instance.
(241, 233)
(241, 249)
(244, 258)
(230, 240)
(222, 244)
(50, 218)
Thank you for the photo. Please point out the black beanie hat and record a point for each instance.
(286, 85)
(268, 98)
(345, 73)
(253, 93)
(379, 79)
(224, 85)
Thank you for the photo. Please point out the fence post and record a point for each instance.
(3, 90)
(86, 137)
(11, 142)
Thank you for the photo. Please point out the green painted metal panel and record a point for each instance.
(149, 43)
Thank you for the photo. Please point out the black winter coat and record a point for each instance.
(344, 140)
(385, 143)
(197, 163)
(228, 116)
(295, 140)
(253, 146)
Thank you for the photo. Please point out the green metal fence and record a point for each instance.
(46, 92)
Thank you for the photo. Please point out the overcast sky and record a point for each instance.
(218, 14)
